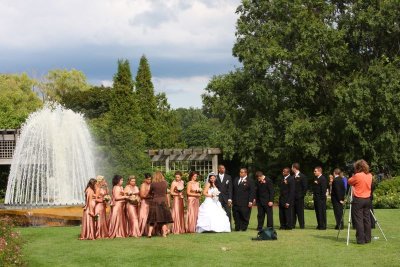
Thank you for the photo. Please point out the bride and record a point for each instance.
(212, 217)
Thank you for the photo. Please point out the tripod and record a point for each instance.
(349, 199)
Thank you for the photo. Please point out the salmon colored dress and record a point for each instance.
(193, 204)
(88, 228)
(144, 210)
(100, 210)
(178, 212)
(117, 223)
(132, 213)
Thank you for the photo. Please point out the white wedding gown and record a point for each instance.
(212, 217)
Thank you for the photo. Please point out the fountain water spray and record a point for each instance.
(52, 161)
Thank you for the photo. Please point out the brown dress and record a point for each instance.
(132, 213)
(88, 228)
(159, 212)
(193, 204)
(178, 213)
(117, 227)
(100, 209)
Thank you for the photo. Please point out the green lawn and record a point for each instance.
(59, 246)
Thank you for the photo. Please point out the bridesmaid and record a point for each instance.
(144, 204)
(100, 208)
(88, 228)
(193, 192)
(178, 213)
(159, 212)
(132, 209)
(117, 226)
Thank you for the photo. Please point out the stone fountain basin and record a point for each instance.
(44, 216)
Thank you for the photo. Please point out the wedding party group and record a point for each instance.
(157, 209)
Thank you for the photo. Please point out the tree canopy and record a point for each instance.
(319, 84)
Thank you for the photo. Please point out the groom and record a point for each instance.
(224, 185)
(243, 197)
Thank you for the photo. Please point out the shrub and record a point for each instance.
(388, 186)
(309, 202)
(387, 194)
(10, 244)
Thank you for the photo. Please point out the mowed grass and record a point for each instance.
(59, 246)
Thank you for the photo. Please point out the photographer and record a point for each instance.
(361, 182)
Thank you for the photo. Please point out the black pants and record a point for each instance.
(263, 209)
(320, 212)
(227, 209)
(241, 216)
(285, 217)
(338, 212)
(362, 220)
(298, 212)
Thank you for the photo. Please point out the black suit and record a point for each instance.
(300, 190)
(225, 189)
(286, 196)
(264, 194)
(319, 196)
(337, 195)
(243, 194)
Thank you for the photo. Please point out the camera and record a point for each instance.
(350, 169)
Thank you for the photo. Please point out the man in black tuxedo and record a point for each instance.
(286, 199)
(337, 198)
(264, 200)
(300, 190)
(319, 196)
(243, 197)
(224, 185)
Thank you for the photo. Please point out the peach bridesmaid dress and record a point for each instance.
(132, 213)
(117, 223)
(100, 209)
(144, 209)
(178, 212)
(88, 227)
(193, 204)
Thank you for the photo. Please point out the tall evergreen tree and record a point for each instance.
(146, 101)
(126, 138)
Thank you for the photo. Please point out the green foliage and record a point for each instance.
(58, 82)
(197, 129)
(17, 100)
(388, 186)
(10, 244)
(125, 138)
(93, 102)
(320, 84)
(387, 194)
(309, 202)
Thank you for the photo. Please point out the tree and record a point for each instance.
(319, 84)
(61, 81)
(93, 103)
(147, 101)
(17, 100)
(125, 137)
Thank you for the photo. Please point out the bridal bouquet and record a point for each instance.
(215, 194)
(180, 188)
(107, 198)
(133, 199)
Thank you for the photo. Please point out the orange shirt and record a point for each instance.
(361, 183)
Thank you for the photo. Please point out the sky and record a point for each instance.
(185, 41)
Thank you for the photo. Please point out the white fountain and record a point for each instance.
(52, 161)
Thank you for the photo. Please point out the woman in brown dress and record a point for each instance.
(144, 204)
(193, 194)
(117, 226)
(88, 218)
(178, 213)
(100, 208)
(159, 211)
(132, 207)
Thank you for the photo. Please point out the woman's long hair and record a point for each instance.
(92, 183)
(158, 177)
(361, 166)
(212, 184)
